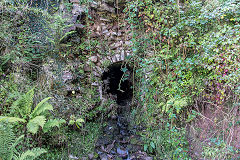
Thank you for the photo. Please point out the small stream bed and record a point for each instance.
(117, 142)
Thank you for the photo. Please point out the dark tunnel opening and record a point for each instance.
(122, 92)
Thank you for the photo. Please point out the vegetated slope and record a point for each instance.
(185, 62)
(192, 88)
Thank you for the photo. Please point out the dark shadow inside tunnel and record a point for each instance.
(117, 83)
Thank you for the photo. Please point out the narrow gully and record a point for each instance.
(116, 143)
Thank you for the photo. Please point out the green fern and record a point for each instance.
(13, 149)
(36, 117)
(41, 107)
(23, 108)
(53, 123)
(32, 154)
(33, 124)
(23, 105)
(12, 119)
(7, 138)
(8, 143)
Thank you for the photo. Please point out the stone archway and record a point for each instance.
(117, 82)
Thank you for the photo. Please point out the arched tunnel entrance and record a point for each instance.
(117, 83)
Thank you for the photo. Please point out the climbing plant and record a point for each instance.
(185, 58)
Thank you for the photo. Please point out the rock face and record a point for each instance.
(59, 75)
(106, 28)
(107, 40)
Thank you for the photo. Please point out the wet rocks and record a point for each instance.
(141, 156)
(106, 7)
(101, 6)
(122, 152)
(115, 144)
(90, 155)
(103, 157)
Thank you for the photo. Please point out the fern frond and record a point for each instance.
(17, 141)
(7, 139)
(33, 124)
(23, 105)
(53, 123)
(14, 152)
(29, 97)
(11, 119)
(41, 107)
(32, 154)
(8, 143)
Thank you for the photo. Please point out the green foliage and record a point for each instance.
(7, 139)
(9, 142)
(149, 147)
(15, 39)
(8, 93)
(41, 107)
(11, 119)
(33, 124)
(174, 105)
(80, 142)
(23, 105)
(193, 55)
(51, 123)
(83, 143)
(32, 154)
(23, 108)
(76, 121)
(222, 61)
(29, 34)
(183, 53)
(217, 149)
(166, 143)
(85, 105)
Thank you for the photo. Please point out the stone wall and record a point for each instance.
(107, 28)
(110, 31)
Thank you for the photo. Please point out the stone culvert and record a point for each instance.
(112, 35)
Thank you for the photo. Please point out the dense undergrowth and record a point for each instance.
(185, 60)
